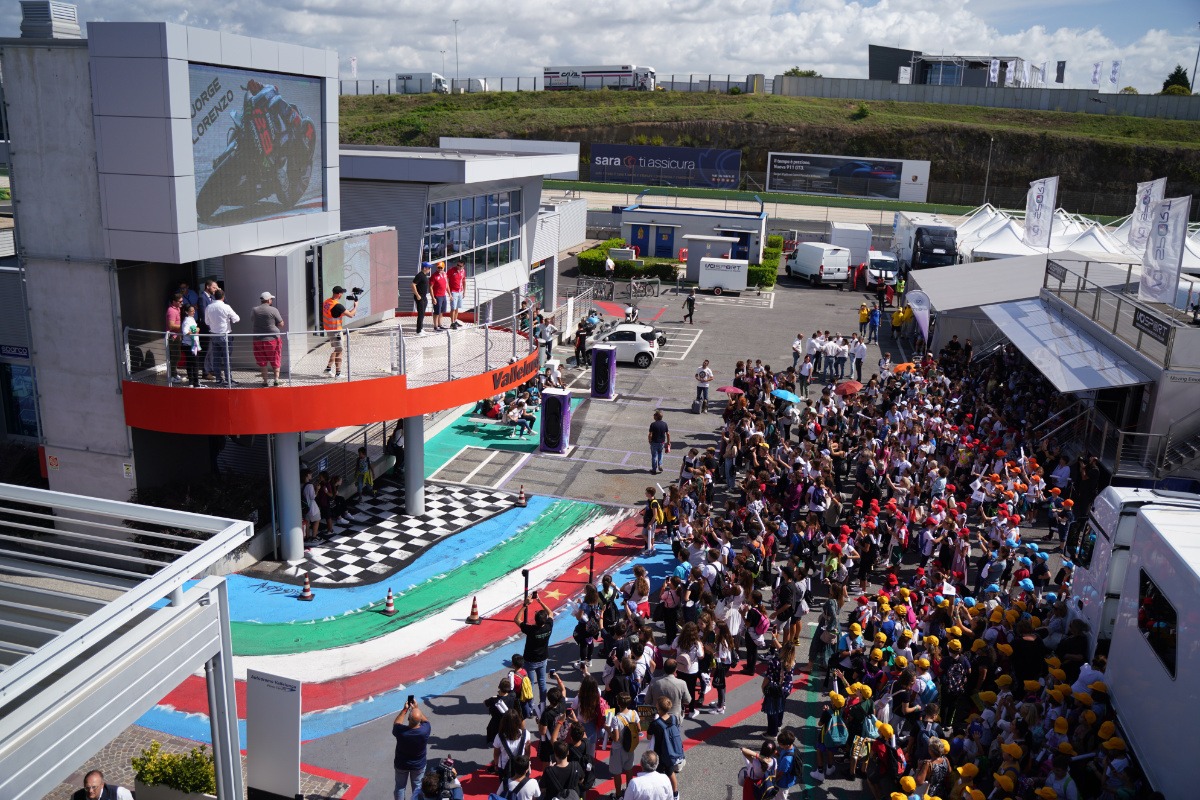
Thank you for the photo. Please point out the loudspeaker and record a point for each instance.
(555, 435)
(604, 371)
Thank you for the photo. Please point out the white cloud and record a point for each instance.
(519, 37)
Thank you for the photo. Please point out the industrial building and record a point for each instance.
(885, 64)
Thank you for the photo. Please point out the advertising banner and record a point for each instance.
(994, 72)
(1096, 67)
(257, 145)
(366, 267)
(272, 734)
(677, 166)
(1114, 76)
(905, 76)
(1148, 195)
(1010, 73)
(1164, 251)
(1060, 72)
(848, 176)
(918, 301)
(1039, 211)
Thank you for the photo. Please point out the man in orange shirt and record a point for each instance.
(333, 311)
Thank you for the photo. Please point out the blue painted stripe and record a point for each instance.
(337, 720)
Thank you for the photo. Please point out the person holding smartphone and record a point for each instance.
(411, 729)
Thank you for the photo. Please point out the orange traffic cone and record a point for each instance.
(306, 593)
(473, 619)
(521, 501)
(390, 607)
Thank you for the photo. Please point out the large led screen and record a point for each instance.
(256, 145)
(366, 267)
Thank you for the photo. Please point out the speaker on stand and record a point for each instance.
(604, 372)
(555, 436)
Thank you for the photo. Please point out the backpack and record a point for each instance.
(504, 773)
(767, 788)
(957, 675)
(763, 624)
(836, 732)
(671, 737)
(502, 794)
(525, 690)
(899, 761)
(869, 729)
(928, 693)
(630, 732)
(656, 512)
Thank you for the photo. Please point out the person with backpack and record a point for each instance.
(522, 686)
(512, 740)
(652, 517)
(536, 654)
(956, 677)
(936, 769)
(887, 763)
(757, 776)
(498, 705)
(778, 679)
(788, 764)
(579, 752)
(587, 630)
(520, 785)
(666, 740)
(625, 729)
(562, 779)
(832, 736)
(758, 624)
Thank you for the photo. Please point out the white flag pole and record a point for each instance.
(1187, 214)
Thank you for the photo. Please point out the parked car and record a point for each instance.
(863, 169)
(634, 342)
(819, 263)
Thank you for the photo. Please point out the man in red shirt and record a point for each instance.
(439, 285)
(457, 277)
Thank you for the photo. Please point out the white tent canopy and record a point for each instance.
(968, 242)
(1005, 242)
(979, 218)
(1096, 240)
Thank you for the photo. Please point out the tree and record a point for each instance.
(1178, 77)
(1128, 90)
(796, 72)
(1176, 89)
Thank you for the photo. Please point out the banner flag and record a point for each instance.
(1163, 258)
(994, 71)
(1096, 67)
(1060, 72)
(1148, 196)
(353, 66)
(1042, 74)
(1115, 75)
(1039, 211)
(1010, 73)
(918, 301)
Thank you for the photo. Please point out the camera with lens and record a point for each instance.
(447, 779)
(354, 294)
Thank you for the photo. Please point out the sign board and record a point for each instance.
(272, 735)
(1056, 271)
(678, 166)
(1157, 329)
(13, 351)
(127, 470)
(848, 176)
(52, 462)
(905, 76)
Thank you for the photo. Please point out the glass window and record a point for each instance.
(466, 211)
(505, 203)
(504, 250)
(437, 216)
(1158, 622)
(515, 199)
(451, 212)
(1087, 546)
(493, 231)
(503, 228)
(481, 207)
(493, 256)
(19, 399)
(480, 234)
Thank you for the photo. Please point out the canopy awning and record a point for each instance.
(1071, 360)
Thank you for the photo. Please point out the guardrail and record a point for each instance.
(306, 358)
(601, 288)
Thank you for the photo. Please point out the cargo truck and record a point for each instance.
(618, 76)
(1106, 544)
(855, 237)
(421, 83)
(923, 240)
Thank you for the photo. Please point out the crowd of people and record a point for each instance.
(925, 528)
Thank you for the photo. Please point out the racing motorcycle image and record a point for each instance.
(269, 152)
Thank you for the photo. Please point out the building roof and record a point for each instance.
(715, 213)
(436, 165)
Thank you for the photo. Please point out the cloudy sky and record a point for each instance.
(519, 37)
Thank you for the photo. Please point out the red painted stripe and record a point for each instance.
(191, 696)
(356, 783)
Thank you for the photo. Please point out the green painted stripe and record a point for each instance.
(511, 555)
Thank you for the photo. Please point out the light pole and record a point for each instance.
(443, 62)
(456, 51)
(988, 175)
(1196, 64)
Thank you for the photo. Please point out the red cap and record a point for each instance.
(920, 570)
(858, 504)
(862, 599)
(845, 530)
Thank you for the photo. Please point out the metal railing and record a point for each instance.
(711, 83)
(308, 358)
(601, 288)
(573, 309)
(1057, 415)
(645, 287)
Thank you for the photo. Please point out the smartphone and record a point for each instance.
(412, 700)
(534, 595)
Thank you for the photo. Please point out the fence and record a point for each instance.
(645, 287)
(573, 309)
(720, 84)
(306, 358)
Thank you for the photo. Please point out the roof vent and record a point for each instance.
(47, 19)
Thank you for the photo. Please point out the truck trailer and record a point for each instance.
(1153, 672)
(618, 76)
(1106, 544)
(421, 83)
(923, 240)
(855, 237)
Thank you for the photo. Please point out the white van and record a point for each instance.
(881, 268)
(819, 263)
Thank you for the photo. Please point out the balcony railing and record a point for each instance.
(308, 358)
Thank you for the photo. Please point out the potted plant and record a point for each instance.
(174, 776)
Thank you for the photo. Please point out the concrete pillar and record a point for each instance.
(414, 465)
(286, 454)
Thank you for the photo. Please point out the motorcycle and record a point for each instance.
(269, 152)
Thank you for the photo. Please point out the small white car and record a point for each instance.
(883, 267)
(634, 342)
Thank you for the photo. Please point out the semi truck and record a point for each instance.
(1153, 672)
(617, 76)
(1106, 545)
(421, 83)
(923, 240)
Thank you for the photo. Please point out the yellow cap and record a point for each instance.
(932, 641)
(1005, 782)
(955, 646)
(1046, 793)
(1115, 743)
(1108, 729)
(1012, 749)
(1004, 649)
(901, 662)
(1032, 686)
(1066, 749)
(855, 628)
(978, 645)
(968, 770)
(923, 663)
(1060, 725)
(1004, 680)
(987, 697)
(908, 783)
(836, 700)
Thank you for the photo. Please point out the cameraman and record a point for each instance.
(411, 730)
(333, 312)
(440, 783)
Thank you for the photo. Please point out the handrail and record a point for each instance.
(1085, 412)
(1055, 415)
(303, 358)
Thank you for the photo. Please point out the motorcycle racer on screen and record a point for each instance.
(269, 152)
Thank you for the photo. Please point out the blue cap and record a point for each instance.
(1043, 556)
(1051, 597)
(969, 602)
(937, 599)
(1026, 561)
(1026, 584)
(1068, 564)
(426, 264)
(1013, 543)
(1032, 547)
(992, 588)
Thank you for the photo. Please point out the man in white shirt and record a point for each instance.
(704, 376)
(797, 349)
(885, 366)
(220, 319)
(829, 352)
(813, 348)
(650, 784)
(521, 786)
(859, 351)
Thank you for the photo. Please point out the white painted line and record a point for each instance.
(500, 484)
(693, 344)
(449, 461)
(491, 454)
